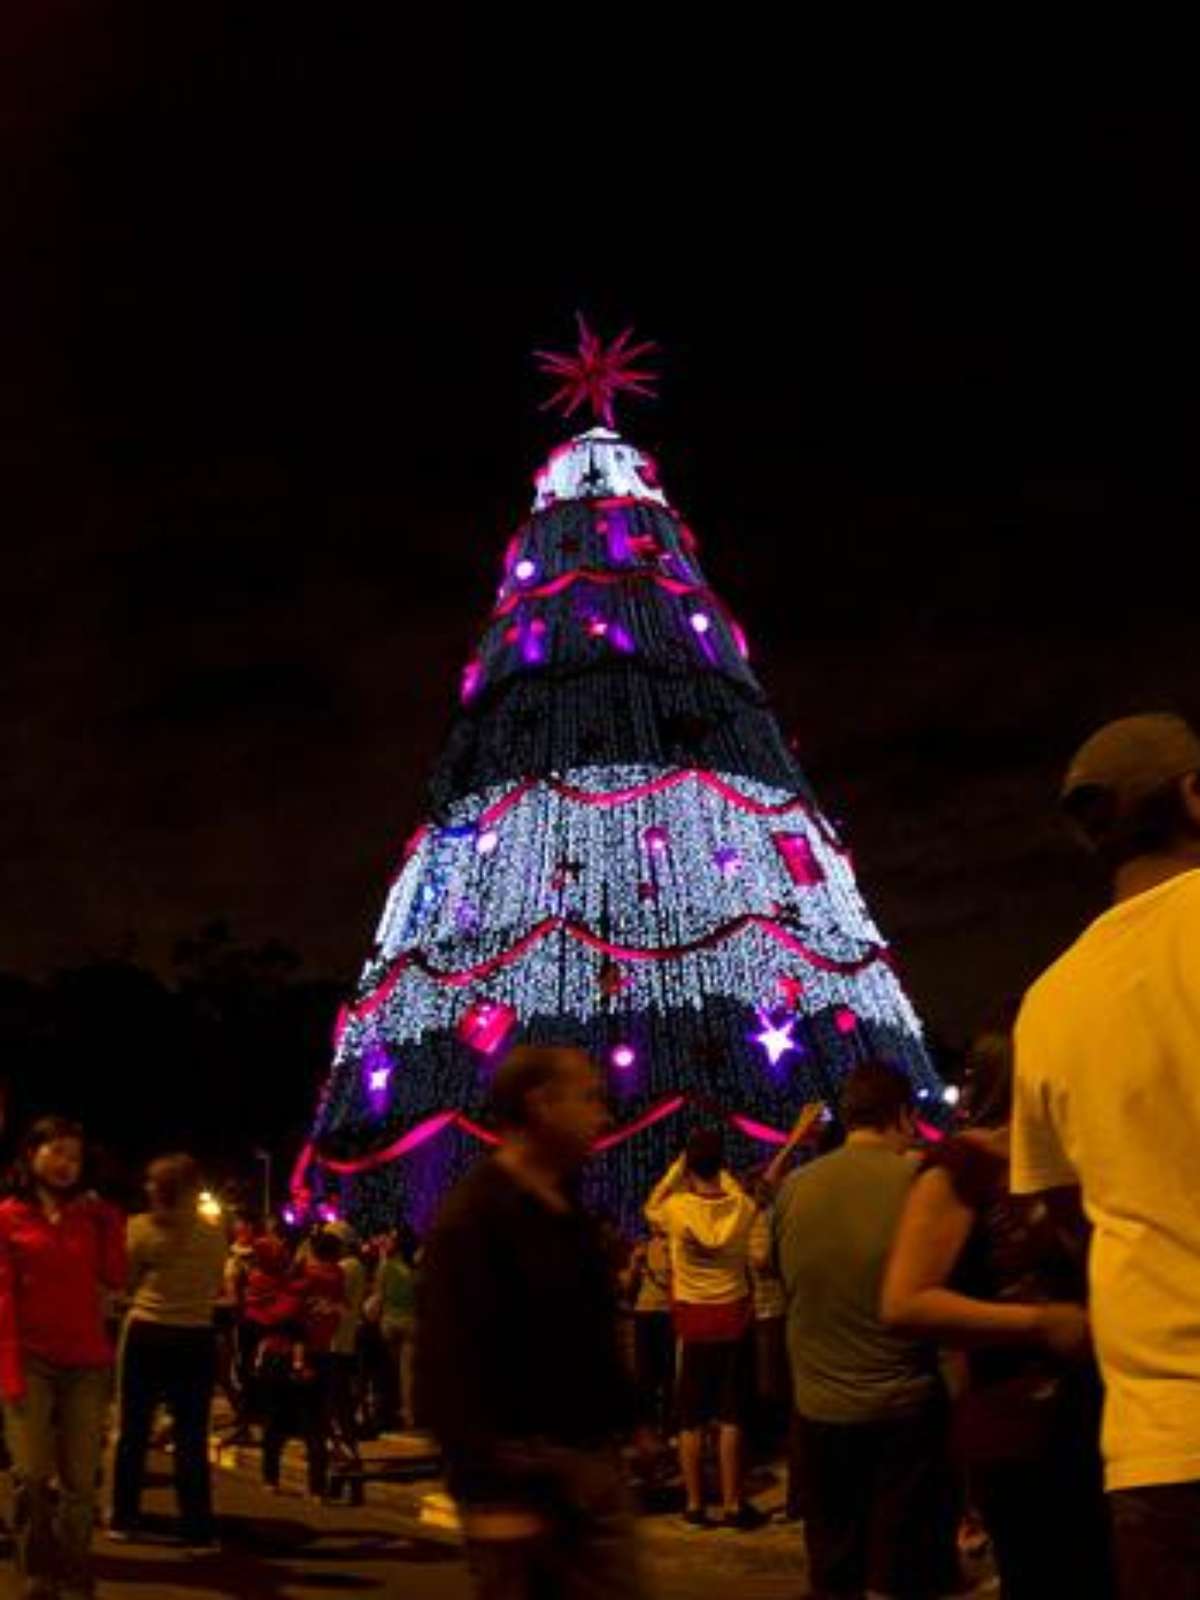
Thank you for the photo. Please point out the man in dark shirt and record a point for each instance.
(518, 1370)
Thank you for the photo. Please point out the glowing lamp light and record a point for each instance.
(486, 842)
(845, 1020)
(208, 1206)
(621, 639)
(290, 1216)
(378, 1079)
(525, 570)
(951, 1094)
(327, 1211)
(775, 1037)
(597, 627)
(656, 839)
(701, 621)
(623, 1057)
(486, 1024)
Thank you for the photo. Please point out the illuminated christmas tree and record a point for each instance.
(622, 852)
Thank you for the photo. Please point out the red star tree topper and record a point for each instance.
(596, 374)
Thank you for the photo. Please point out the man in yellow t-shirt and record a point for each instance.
(1108, 1097)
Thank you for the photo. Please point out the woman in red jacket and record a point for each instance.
(61, 1249)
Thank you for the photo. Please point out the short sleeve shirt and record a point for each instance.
(1108, 1096)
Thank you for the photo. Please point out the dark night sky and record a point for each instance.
(269, 278)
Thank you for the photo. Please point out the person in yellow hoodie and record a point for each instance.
(707, 1218)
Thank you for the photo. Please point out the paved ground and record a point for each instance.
(287, 1548)
(278, 1549)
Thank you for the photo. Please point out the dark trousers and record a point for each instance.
(246, 1339)
(794, 1504)
(379, 1398)
(654, 1368)
(1048, 1524)
(297, 1409)
(772, 1407)
(175, 1367)
(587, 1550)
(1156, 1532)
(879, 1506)
(343, 1401)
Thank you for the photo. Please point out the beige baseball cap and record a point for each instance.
(1132, 758)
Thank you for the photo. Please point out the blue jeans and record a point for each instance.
(57, 1432)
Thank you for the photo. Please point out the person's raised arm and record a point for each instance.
(670, 1183)
(801, 1128)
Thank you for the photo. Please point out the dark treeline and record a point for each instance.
(221, 1055)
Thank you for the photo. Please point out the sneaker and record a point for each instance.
(696, 1519)
(744, 1520)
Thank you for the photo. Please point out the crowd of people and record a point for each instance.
(996, 1328)
(107, 1321)
(957, 1314)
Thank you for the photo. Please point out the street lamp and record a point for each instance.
(265, 1157)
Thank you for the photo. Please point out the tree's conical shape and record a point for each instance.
(622, 852)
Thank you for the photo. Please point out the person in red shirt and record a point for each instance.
(61, 1249)
(296, 1364)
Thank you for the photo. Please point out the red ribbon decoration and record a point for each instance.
(638, 791)
(464, 977)
(430, 1126)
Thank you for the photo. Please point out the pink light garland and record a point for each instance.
(463, 977)
(403, 1146)
(600, 575)
(618, 797)
(669, 780)
(758, 1130)
(605, 578)
(640, 1124)
(430, 1126)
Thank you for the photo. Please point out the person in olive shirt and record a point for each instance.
(168, 1349)
(519, 1375)
(870, 1410)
